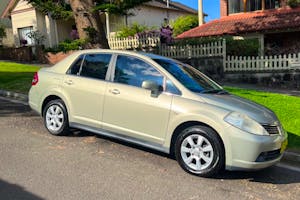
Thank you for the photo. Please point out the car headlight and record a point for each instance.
(245, 123)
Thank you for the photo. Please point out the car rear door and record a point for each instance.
(131, 110)
(84, 86)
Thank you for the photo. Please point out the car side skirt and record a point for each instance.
(117, 136)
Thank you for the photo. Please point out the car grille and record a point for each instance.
(272, 130)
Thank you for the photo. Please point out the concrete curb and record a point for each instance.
(18, 96)
(289, 156)
(292, 156)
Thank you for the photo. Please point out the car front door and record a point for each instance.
(84, 87)
(130, 109)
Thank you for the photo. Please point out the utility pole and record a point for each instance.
(200, 12)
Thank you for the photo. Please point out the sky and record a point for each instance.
(210, 7)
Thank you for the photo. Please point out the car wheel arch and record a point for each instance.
(185, 125)
(51, 98)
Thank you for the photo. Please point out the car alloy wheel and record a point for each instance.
(199, 151)
(56, 117)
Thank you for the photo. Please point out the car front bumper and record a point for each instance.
(253, 152)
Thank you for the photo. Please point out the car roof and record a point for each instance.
(149, 55)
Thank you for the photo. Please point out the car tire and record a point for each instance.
(199, 151)
(56, 117)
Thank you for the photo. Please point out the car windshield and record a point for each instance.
(188, 76)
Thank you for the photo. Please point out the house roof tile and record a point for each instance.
(259, 21)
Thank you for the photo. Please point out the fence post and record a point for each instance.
(224, 54)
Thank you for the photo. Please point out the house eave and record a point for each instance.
(6, 13)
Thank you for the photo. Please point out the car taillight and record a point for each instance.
(35, 79)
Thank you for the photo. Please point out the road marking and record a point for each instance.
(297, 169)
(14, 100)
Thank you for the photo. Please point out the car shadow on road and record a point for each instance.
(12, 191)
(273, 175)
(82, 133)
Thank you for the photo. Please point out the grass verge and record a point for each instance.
(16, 77)
(287, 108)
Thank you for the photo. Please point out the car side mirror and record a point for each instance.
(154, 87)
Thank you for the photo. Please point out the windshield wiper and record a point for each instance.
(214, 91)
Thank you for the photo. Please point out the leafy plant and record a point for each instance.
(184, 23)
(132, 30)
(92, 34)
(293, 3)
(37, 37)
(58, 9)
(246, 47)
(67, 45)
(119, 7)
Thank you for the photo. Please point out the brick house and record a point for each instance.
(273, 22)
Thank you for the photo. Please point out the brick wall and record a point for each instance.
(22, 54)
(224, 7)
(51, 58)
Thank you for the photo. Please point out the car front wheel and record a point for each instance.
(56, 117)
(199, 151)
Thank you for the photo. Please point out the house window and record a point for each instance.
(271, 4)
(253, 5)
(23, 35)
(237, 6)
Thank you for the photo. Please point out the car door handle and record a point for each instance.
(69, 82)
(114, 91)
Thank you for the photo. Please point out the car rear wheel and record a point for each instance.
(199, 151)
(56, 117)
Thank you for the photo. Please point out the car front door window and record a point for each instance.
(133, 71)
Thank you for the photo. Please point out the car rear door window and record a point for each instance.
(95, 66)
(133, 71)
(75, 68)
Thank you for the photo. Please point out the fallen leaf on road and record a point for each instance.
(58, 147)
(89, 140)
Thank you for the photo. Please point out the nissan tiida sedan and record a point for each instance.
(159, 103)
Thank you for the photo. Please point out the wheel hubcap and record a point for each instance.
(54, 118)
(197, 152)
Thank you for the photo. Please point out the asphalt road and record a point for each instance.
(37, 165)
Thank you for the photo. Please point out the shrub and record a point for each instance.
(67, 45)
(132, 30)
(246, 47)
(293, 3)
(184, 23)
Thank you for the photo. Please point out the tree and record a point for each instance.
(87, 15)
(184, 23)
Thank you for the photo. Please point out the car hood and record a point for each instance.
(231, 102)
